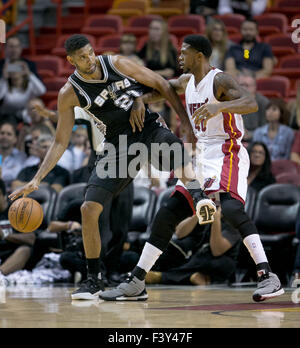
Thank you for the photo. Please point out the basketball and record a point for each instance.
(25, 215)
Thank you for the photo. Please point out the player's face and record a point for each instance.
(187, 58)
(84, 60)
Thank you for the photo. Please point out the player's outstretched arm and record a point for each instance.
(233, 99)
(178, 84)
(151, 79)
(66, 103)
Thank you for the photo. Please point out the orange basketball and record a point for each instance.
(25, 215)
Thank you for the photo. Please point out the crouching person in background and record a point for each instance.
(201, 255)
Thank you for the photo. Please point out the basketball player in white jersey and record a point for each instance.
(215, 103)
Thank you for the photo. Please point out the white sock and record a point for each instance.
(255, 248)
(149, 256)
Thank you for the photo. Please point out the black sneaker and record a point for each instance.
(89, 289)
(205, 208)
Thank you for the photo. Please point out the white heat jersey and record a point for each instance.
(222, 162)
(222, 126)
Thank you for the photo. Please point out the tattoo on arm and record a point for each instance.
(232, 96)
(226, 88)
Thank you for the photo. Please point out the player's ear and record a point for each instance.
(70, 60)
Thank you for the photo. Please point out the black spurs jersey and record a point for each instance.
(109, 99)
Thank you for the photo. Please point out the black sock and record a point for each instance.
(263, 268)
(93, 266)
(139, 273)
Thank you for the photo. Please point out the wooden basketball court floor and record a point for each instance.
(167, 307)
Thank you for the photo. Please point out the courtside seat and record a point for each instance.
(169, 8)
(289, 66)
(232, 21)
(286, 7)
(275, 218)
(98, 25)
(144, 202)
(271, 23)
(288, 178)
(284, 166)
(128, 8)
(186, 24)
(53, 85)
(282, 44)
(67, 195)
(108, 44)
(250, 201)
(48, 66)
(276, 212)
(139, 25)
(274, 86)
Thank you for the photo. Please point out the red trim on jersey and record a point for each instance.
(230, 168)
(187, 195)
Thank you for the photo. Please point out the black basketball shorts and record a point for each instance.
(120, 162)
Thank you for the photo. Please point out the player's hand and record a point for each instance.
(25, 190)
(204, 113)
(41, 110)
(137, 115)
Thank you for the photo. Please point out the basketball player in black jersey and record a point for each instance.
(109, 88)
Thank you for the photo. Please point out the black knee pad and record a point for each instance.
(234, 212)
(168, 217)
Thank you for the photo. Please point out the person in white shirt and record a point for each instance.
(17, 86)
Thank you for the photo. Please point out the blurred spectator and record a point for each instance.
(295, 152)
(74, 156)
(217, 35)
(83, 173)
(30, 143)
(250, 54)
(128, 48)
(36, 113)
(204, 7)
(32, 117)
(13, 53)
(275, 134)
(57, 178)
(17, 86)
(248, 8)
(158, 53)
(260, 174)
(12, 159)
(15, 247)
(202, 255)
(246, 78)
